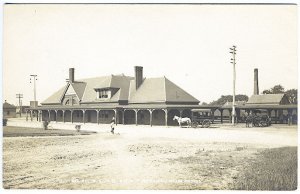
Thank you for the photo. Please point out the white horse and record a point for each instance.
(183, 120)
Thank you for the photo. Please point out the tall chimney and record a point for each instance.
(138, 76)
(256, 89)
(71, 75)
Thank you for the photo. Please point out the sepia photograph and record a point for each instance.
(148, 96)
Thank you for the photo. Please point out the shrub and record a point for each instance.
(45, 125)
(4, 122)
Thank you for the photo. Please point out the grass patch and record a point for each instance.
(275, 169)
(9, 131)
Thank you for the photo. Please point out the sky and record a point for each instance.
(189, 44)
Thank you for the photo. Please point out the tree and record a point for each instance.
(228, 98)
(277, 89)
(204, 103)
(292, 95)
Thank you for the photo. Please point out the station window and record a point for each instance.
(103, 94)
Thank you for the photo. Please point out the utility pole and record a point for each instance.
(20, 104)
(233, 52)
(34, 88)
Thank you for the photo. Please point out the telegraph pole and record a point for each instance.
(34, 88)
(20, 105)
(233, 52)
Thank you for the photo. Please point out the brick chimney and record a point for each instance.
(138, 76)
(256, 89)
(71, 75)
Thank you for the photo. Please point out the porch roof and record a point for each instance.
(115, 106)
(264, 106)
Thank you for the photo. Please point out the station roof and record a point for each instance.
(268, 99)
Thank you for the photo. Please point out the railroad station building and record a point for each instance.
(147, 101)
(131, 100)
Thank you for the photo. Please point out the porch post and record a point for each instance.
(56, 116)
(276, 116)
(71, 116)
(213, 114)
(290, 112)
(31, 115)
(238, 115)
(180, 113)
(49, 115)
(166, 117)
(98, 116)
(83, 116)
(230, 115)
(123, 117)
(221, 110)
(116, 118)
(39, 117)
(150, 110)
(136, 115)
(63, 115)
(26, 115)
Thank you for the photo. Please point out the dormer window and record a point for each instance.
(103, 94)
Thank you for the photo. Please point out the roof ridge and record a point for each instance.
(64, 93)
(111, 77)
(165, 88)
(75, 91)
(82, 97)
(129, 88)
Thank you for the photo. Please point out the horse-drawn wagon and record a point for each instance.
(201, 117)
(259, 119)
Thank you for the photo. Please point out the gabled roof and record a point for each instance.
(267, 99)
(85, 89)
(79, 88)
(8, 106)
(56, 97)
(112, 81)
(157, 90)
(175, 94)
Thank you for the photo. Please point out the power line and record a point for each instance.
(19, 96)
(34, 86)
(233, 52)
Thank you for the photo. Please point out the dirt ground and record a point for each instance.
(139, 157)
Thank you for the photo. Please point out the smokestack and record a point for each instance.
(256, 89)
(138, 76)
(71, 75)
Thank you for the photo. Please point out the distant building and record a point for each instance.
(23, 109)
(268, 99)
(9, 110)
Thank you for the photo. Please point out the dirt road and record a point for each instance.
(138, 158)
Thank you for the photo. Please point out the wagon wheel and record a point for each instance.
(255, 124)
(194, 124)
(263, 124)
(206, 123)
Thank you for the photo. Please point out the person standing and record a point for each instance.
(112, 125)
